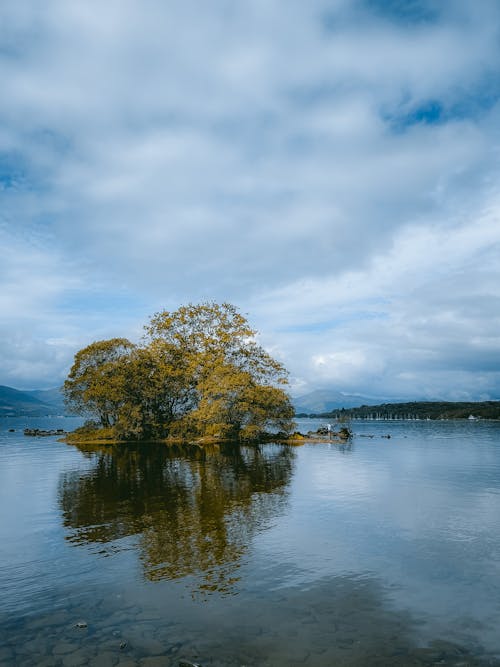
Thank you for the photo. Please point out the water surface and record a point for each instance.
(385, 551)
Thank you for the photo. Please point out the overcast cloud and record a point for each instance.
(331, 168)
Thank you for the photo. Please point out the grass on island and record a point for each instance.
(107, 436)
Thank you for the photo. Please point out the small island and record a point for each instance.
(197, 375)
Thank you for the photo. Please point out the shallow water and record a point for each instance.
(382, 552)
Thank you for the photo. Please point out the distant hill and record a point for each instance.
(49, 397)
(422, 410)
(325, 400)
(37, 403)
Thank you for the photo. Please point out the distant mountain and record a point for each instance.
(37, 403)
(49, 397)
(326, 400)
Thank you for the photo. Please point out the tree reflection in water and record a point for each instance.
(193, 510)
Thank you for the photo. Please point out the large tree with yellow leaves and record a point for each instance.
(199, 371)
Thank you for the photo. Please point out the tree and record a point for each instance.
(232, 377)
(95, 384)
(206, 328)
(199, 371)
(156, 392)
(232, 404)
(211, 335)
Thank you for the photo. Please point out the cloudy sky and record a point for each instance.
(331, 167)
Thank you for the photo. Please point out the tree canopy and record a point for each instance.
(198, 371)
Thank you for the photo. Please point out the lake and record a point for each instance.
(385, 551)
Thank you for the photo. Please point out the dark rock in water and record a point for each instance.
(41, 432)
(12, 430)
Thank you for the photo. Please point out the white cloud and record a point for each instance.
(267, 154)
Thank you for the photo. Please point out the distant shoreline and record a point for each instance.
(415, 410)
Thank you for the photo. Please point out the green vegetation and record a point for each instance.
(420, 410)
(197, 373)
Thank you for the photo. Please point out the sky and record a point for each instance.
(329, 167)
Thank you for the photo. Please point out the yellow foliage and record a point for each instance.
(199, 371)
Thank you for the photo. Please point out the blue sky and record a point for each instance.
(331, 168)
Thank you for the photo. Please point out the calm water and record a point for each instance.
(385, 552)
